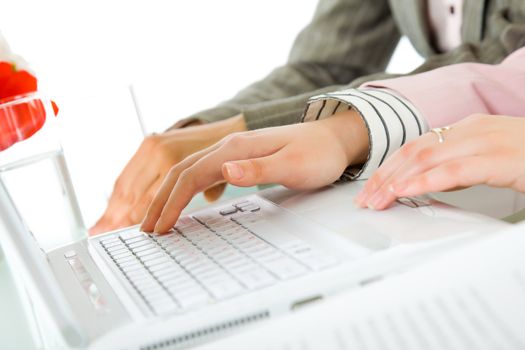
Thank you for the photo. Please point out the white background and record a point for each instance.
(181, 56)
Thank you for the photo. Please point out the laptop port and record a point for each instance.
(304, 302)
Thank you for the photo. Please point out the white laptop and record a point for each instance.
(223, 267)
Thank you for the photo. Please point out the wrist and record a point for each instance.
(351, 132)
(234, 124)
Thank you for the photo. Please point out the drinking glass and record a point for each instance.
(34, 170)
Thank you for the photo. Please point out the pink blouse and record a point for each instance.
(448, 94)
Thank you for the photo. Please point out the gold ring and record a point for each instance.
(439, 133)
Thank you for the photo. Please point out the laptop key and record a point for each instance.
(159, 300)
(149, 254)
(131, 268)
(285, 268)
(167, 272)
(265, 259)
(162, 265)
(224, 289)
(125, 259)
(152, 292)
(193, 300)
(243, 204)
(164, 307)
(116, 249)
(251, 207)
(138, 275)
(137, 239)
(144, 248)
(210, 276)
(318, 261)
(181, 283)
(153, 259)
(110, 245)
(129, 263)
(122, 255)
(256, 278)
(131, 234)
(138, 244)
(107, 241)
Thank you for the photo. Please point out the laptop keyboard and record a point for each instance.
(210, 258)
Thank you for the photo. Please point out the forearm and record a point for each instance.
(389, 119)
(350, 130)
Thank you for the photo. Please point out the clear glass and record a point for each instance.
(34, 171)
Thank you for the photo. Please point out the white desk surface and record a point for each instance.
(14, 328)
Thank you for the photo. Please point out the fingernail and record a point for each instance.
(143, 225)
(374, 202)
(234, 170)
(156, 230)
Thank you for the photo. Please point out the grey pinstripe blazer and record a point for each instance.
(349, 42)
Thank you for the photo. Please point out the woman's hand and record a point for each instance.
(481, 149)
(300, 156)
(142, 176)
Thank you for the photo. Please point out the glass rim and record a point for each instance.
(21, 98)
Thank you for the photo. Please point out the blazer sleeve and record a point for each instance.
(345, 39)
(502, 32)
(398, 110)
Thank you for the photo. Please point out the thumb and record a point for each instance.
(251, 172)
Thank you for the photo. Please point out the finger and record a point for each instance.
(161, 197)
(102, 225)
(109, 221)
(121, 212)
(393, 162)
(115, 211)
(129, 188)
(189, 183)
(461, 172)
(140, 172)
(427, 157)
(389, 166)
(213, 193)
(256, 171)
(137, 213)
(203, 173)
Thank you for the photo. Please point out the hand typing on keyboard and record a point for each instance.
(208, 258)
(300, 156)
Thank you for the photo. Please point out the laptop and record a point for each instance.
(223, 267)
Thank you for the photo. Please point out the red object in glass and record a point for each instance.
(20, 120)
(21, 115)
